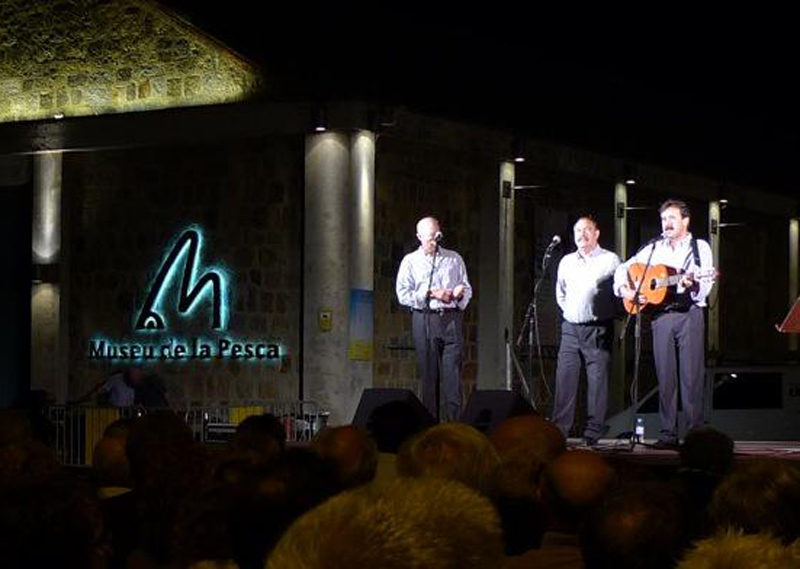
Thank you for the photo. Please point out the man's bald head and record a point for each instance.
(531, 432)
(427, 228)
(525, 446)
(572, 484)
(353, 451)
(427, 224)
(579, 478)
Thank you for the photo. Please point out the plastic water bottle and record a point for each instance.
(639, 430)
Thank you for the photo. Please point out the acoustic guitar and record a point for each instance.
(659, 281)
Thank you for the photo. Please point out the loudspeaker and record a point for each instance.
(391, 416)
(375, 397)
(488, 408)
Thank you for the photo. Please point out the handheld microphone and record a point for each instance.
(438, 236)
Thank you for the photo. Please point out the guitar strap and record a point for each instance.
(682, 302)
(696, 253)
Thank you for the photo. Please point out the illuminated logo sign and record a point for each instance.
(192, 289)
(180, 280)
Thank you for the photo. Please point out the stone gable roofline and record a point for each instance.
(94, 58)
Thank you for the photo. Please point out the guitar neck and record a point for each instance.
(673, 280)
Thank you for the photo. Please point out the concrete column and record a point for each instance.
(362, 255)
(48, 356)
(506, 272)
(496, 281)
(794, 272)
(616, 390)
(714, 237)
(325, 273)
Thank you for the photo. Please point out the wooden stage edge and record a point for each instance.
(617, 450)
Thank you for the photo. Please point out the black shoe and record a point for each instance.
(662, 444)
(590, 441)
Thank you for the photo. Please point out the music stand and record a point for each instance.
(791, 324)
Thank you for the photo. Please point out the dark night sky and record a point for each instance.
(711, 92)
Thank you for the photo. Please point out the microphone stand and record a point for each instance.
(637, 350)
(427, 316)
(531, 322)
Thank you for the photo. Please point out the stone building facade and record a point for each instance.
(135, 181)
(88, 57)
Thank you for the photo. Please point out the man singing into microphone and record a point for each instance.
(583, 292)
(432, 281)
(680, 322)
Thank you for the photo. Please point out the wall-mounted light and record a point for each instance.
(387, 116)
(318, 119)
(629, 175)
(517, 150)
(44, 273)
(622, 208)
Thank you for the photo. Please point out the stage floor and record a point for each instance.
(620, 450)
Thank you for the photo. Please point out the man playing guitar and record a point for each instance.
(679, 320)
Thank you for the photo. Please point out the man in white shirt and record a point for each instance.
(583, 292)
(119, 388)
(679, 322)
(432, 281)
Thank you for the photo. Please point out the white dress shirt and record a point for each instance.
(414, 276)
(678, 257)
(120, 393)
(578, 285)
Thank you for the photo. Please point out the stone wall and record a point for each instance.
(126, 207)
(86, 57)
(753, 286)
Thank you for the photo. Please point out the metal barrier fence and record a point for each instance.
(78, 428)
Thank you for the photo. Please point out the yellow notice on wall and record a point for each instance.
(360, 343)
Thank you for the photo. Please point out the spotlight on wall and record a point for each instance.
(318, 119)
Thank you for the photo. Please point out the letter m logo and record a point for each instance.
(192, 286)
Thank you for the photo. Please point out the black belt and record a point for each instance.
(671, 310)
(438, 311)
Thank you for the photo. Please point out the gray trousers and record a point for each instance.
(686, 331)
(592, 341)
(445, 340)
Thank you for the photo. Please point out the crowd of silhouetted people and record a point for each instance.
(396, 493)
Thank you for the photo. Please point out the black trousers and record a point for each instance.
(445, 340)
(593, 342)
(686, 332)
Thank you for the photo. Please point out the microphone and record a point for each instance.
(548, 253)
(438, 236)
(654, 240)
